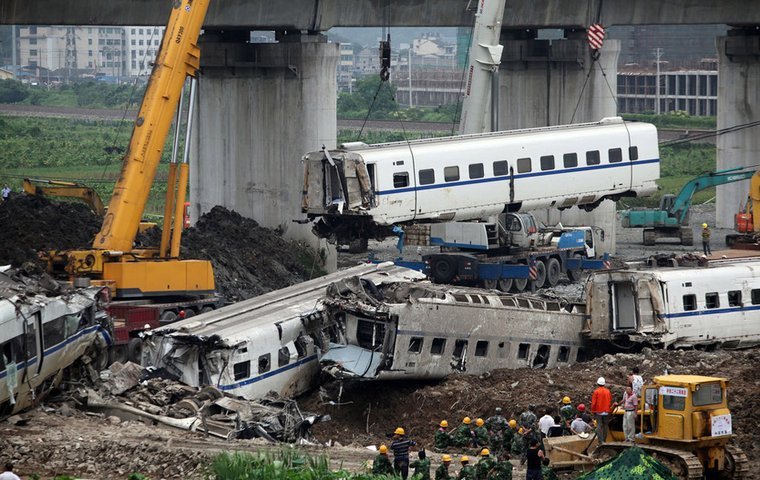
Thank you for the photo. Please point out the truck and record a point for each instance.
(507, 253)
(671, 219)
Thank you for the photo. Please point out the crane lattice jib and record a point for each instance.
(682, 202)
(178, 57)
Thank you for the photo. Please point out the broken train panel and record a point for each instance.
(41, 336)
(430, 331)
(718, 305)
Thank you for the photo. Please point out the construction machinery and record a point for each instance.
(154, 275)
(671, 219)
(746, 224)
(682, 420)
(59, 188)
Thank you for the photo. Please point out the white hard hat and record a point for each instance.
(600, 381)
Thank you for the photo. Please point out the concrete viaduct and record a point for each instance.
(262, 106)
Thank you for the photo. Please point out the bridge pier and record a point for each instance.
(260, 107)
(557, 82)
(738, 101)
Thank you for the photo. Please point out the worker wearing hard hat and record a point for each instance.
(442, 439)
(485, 464)
(706, 239)
(462, 436)
(567, 412)
(468, 471)
(421, 466)
(442, 472)
(381, 465)
(400, 446)
(601, 406)
(480, 432)
(509, 435)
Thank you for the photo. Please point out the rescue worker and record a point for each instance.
(567, 412)
(468, 471)
(462, 436)
(547, 472)
(706, 239)
(535, 457)
(503, 469)
(480, 432)
(421, 466)
(509, 434)
(442, 472)
(496, 422)
(518, 443)
(529, 423)
(601, 406)
(400, 447)
(485, 465)
(442, 439)
(382, 465)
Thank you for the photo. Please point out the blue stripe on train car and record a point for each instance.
(272, 373)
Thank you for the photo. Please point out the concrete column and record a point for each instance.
(738, 103)
(542, 82)
(260, 107)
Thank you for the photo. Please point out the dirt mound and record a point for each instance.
(370, 411)
(31, 224)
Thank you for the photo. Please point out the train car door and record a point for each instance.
(623, 306)
(34, 347)
(399, 194)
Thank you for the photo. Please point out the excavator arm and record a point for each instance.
(680, 207)
(58, 188)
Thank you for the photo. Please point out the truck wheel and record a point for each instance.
(118, 353)
(167, 317)
(505, 284)
(519, 284)
(540, 273)
(358, 246)
(189, 312)
(134, 350)
(444, 269)
(207, 309)
(650, 237)
(489, 283)
(687, 236)
(553, 269)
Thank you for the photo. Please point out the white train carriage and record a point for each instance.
(41, 336)
(678, 307)
(360, 190)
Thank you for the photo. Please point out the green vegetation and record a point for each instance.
(372, 137)
(86, 94)
(678, 119)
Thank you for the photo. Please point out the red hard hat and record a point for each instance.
(581, 407)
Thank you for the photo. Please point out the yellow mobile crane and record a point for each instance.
(151, 273)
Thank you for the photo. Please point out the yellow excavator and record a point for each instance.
(155, 272)
(60, 188)
(683, 421)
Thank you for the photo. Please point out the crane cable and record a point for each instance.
(714, 133)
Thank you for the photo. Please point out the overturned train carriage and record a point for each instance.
(717, 305)
(415, 331)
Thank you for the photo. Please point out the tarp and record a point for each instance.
(632, 464)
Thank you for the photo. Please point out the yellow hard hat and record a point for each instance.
(446, 458)
(383, 449)
(566, 400)
(704, 225)
(521, 430)
(465, 459)
(466, 420)
(485, 452)
(399, 431)
(479, 422)
(444, 424)
(513, 423)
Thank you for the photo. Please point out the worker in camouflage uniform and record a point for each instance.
(381, 465)
(567, 412)
(502, 469)
(462, 436)
(421, 466)
(485, 465)
(480, 432)
(547, 472)
(509, 434)
(496, 422)
(442, 439)
(529, 423)
(442, 472)
(518, 443)
(468, 471)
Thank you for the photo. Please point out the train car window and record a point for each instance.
(500, 168)
(570, 160)
(755, 293)
(524, 165)
(53, 332)
(522, 351)
(283, 356)
(71, 324)
(580, 355)
(564, 354)
(427, 176)
(242, 370)
(592, 157)
(415, 344)
(400, 180)
(615, 155)
(689, 302)
(547, 162)
(2, 362)
(476, 170)
(31, 340)
(735, 298)
(438, 346)
(481, 348)
(633, 153)
(265, 363)
(451, 174)
(712, 300)
(460, 347)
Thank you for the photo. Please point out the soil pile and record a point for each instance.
(371, 411)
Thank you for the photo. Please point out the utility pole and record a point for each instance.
(658, 54)
(409, 52)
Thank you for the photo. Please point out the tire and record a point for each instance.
(134, 350)
(519, 284)
(553, 269)
(101, 358)
(505, 284)
(189, 312)
(167, 317)
(118, 353)
(444, 269)
(577, 274)
(489, 284)
(358, 245)
(650, 238)
(207, 309)
(540, 273)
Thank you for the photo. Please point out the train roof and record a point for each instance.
(608, 121)
(730, 268)
(241, 320)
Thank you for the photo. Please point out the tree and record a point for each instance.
(357, 104)
(12, 91)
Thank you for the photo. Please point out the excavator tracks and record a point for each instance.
(684, 465)
(739, 459)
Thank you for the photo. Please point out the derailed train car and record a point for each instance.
(42, 334)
